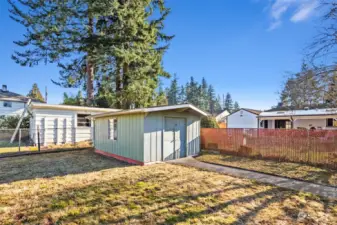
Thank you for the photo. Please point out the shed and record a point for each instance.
(60, 124)
(142, 136)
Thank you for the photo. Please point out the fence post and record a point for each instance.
(308, 132)
(19, 139)
(38, 139)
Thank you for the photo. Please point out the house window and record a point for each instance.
(112, 129)
(7, 104)
(264, 124)
(282, 124)
(82, 121)
(331, 122)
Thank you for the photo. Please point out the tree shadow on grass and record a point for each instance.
(287, 169)
(54, 164)
(142, 200)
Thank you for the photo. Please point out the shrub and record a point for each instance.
(209, 122)
(10, 122)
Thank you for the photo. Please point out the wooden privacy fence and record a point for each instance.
(317, 147)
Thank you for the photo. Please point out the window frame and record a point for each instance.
(113, 129)
(87, 123)
(334, 122)
(7, 104)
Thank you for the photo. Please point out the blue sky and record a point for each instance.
(243, 47)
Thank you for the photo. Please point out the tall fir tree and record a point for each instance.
(51, 38)
(229, 102)
(236, 106)
(123, 39)
(172, 94)
(135, 34)
(192, 92)
(161, 97)
(182, 95)
(211, 99)
(203, 96)
(35, 93)
(217, 105)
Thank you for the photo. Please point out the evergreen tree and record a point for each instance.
(331, 90)
(105, 96)
(135, 34)
(211, 99)
(52, 38)
(172, 95)
(192, 92)
(304, 89)
(182, 95)
(236, 106)
(35, 93)
(161, 98)
(217, 105)
(203, 96)
(229, 102)
(74, 100)
(87, 39)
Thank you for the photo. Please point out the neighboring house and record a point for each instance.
(221, 119)
(60, 124)
(243, 118)
(297, 119)
(147, 135)
(11, 104)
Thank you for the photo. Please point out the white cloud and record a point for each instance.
(274, 25)
(303, 10)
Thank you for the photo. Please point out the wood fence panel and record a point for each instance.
(318, 147)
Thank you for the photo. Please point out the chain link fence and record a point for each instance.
(37, 140)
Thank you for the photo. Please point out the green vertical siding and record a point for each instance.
(154, 131)
(130, 141)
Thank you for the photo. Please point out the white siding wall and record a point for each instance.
(16, 109)
(59, 126)
(307, 123)
(304, 123)
(242, 119)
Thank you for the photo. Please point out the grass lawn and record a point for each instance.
(293, 170)
(83, 188)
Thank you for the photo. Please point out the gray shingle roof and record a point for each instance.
(11, 96)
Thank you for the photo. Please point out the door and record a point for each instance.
(174, 138)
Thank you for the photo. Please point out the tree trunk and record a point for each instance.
(90, 83)
(126, 103)
(118, 81)
(90, 69)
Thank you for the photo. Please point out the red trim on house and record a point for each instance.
(121, 158)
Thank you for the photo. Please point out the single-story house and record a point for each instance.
(297, 119)
(146, 135)
(243, 118)
(60, 124)
(12, 104)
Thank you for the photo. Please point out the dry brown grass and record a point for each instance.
(292, 170)
(83, 188)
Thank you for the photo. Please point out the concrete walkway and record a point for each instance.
(322, 190)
